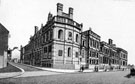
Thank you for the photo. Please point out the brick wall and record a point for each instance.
(3, 39)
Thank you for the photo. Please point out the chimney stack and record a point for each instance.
(36, 29)
(50, 16)
(71, 12)
(110, 41)
(59, 9)
(42, 25)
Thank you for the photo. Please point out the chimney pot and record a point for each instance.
(36, 29)
(41, 25)
(71, 12)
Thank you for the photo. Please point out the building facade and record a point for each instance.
(56, 44)
(123, 57)
(92, 46)
(3, 46)
(109, 55)
(61, 43)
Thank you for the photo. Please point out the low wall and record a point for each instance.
(92, 67)
(64, 66)
(1, 61)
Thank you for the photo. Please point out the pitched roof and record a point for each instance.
(3, 29)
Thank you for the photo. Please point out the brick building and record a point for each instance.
(56, 44)
(92, 46)
(123, 57)
(3, 45)
(61, 43)
(109, 56)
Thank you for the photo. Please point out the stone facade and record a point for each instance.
(61, 43)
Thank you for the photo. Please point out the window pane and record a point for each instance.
(60, 53)
(45, 49)
(69, 52)
(70, 34)
(76, 37)
(60, 34)
(50, 48)
(76, 54)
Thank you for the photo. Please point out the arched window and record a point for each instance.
(69, 52)
(60, 34)
(76, 37)
(69, 35)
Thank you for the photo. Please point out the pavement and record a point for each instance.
(60, 70)
(38, 73)
(11, 74)
(46, 71)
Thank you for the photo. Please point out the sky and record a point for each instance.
(113, 19)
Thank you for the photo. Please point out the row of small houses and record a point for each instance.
(61, 43)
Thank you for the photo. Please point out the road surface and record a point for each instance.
(31, 71)
(46, 77)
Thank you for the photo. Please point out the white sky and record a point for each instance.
(113, 19)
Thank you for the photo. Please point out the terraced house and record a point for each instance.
(61, 43)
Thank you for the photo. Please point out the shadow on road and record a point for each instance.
(129, 76)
